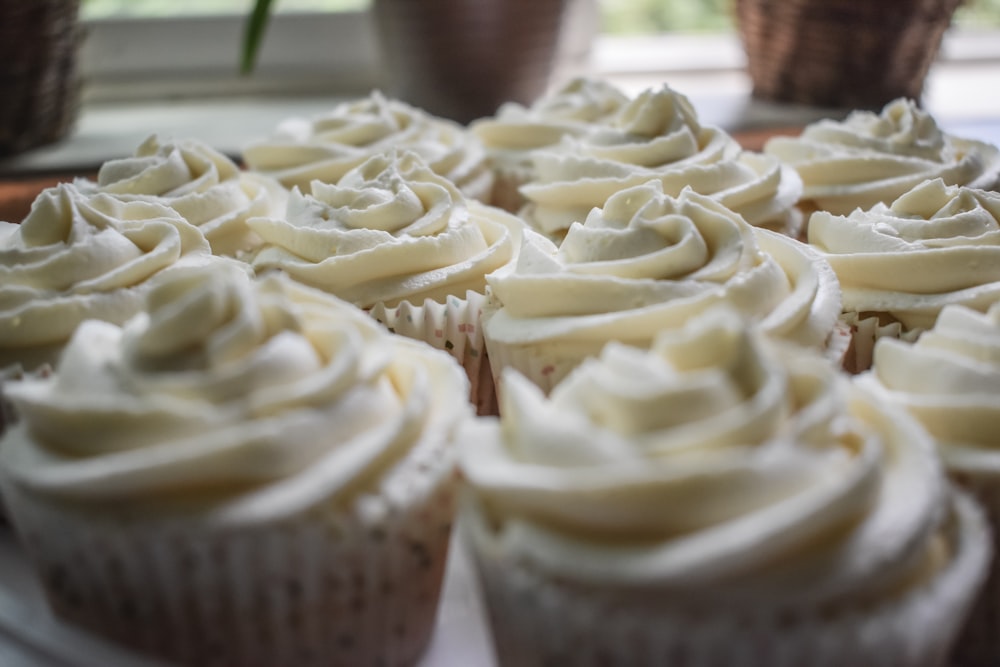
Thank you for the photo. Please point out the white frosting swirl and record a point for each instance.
(76, 257)
(249, 400)
(390, 230)
(934, 246)
(647, 262)
(574, 109)
(657, 136)
(328, 146)
(203, 185)
(710, 465)
(870, 158)
(949, 380)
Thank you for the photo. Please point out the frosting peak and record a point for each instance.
(78, 256)
(658, 136)
(647, 262)
(251, 399)
(204, 186)
(713, 462)
(326, 147)
(949, 380)
(390, 230)
(935, 245)
(871, 158)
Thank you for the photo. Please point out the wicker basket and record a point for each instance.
(39, 80)
(848, 54)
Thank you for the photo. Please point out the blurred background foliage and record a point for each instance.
(620, 17)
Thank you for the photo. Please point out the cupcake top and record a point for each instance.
(240, 401)
(390, 230)
(935, 245)
(949, 379)
(871, 158)
(575, 109)
(657, 136)
(76, 257)
(326, 147)
(713, 465)
(197, 181)
(647, 262)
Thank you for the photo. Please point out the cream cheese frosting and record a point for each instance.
(657, 136)
(572, 109)
(647, 262)
(326, 147)
(949, 379)
(245, 400)
(714, 464)
(203, 185)
(391, 230)
(870, 158)
(935, 245)
(78, 256)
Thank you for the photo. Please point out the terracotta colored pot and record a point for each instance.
(461, 59)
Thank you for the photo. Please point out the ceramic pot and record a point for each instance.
(461, 59)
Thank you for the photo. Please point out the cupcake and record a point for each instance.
(715, 500)
(248, 473)
(871, 158)
(949, 380)
(648, 262)
(515, 133)
(899, 265)
(657, 136)
(396, 239)
(326, 147)
(197, 181)
(76, 257)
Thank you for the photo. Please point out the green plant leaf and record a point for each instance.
(253, 35)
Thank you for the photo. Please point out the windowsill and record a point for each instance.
(960, 93)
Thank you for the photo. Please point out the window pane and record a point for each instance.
(634, 17)
(98, 9)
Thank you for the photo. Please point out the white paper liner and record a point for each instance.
(538, 621)
(979, 643)
(838, 344)
(455, 327)
(543, 364)
(352, 586)
(865, 332)
(547, 364)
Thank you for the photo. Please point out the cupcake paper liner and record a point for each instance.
(865, 330)
(543, 364)
(455, 327)
(537, 620)
(838, 344)
(547, 364)
(979, 643)
(337, 586)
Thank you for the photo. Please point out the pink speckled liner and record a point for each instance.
(455, 327)
(351, 583)
(539, 620)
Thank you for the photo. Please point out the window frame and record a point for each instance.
(302, 53)
(336, 53)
